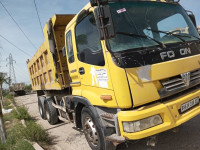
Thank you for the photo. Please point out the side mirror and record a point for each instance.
(104, 22)
(192, 17)
(95, 2)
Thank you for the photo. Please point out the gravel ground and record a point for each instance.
(67, 138)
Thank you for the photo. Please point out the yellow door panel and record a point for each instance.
(119, 82)
(94, 95)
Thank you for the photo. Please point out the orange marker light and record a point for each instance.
(106, 97)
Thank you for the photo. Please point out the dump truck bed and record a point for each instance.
(48, 68)
(19, 89)
(19, 86)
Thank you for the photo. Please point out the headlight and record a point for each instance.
(136, 126)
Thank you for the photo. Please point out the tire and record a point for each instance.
(41, 100)
(93, 131)
(51, 112)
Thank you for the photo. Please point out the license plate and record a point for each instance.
(185, 107)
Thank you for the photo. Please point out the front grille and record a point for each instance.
(179, 83)
(173, 84)
(195, 75)
(185, 92)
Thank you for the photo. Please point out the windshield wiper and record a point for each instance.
(190, 35)
(143, 36)
(170, 33)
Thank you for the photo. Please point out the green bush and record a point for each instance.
(22, 113)
(34, 132)
(9, 117)
(6, 104)
(9, 96)
(15, 134)
(18, 135)
(28, 88)
(2, 146)
(15, 140)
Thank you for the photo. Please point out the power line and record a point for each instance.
(15, 46)
(38, 16)
(18, 26)
(22, 78)
(20, 72)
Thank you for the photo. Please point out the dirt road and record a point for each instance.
(67, 138)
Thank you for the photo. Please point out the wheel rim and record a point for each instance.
(91, 132)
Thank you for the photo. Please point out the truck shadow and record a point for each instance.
(56, 126)
(187, 138)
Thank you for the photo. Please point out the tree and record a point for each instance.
(28, 88)
(3, 80)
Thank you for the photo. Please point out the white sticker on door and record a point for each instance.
(94, 76)
(99, 77)
(121, 10)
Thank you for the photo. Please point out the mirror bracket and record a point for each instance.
(98, 2)
(192, 17)
(104, 22)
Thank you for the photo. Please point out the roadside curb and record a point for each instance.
(37, 146)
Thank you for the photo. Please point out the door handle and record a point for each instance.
(81, 71)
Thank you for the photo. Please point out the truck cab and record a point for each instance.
(152, 75)
(134, 70)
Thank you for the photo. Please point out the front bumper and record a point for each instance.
(169, 111)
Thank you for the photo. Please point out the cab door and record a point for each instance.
(92, 64)
(91, 60)
(72, 65)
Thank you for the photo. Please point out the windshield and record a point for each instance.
(148, 19)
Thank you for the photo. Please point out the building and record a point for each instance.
(180, 30)
(198, 28)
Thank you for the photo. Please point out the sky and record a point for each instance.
(24, 13)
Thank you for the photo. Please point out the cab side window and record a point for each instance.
(70, 51)
(88, 43)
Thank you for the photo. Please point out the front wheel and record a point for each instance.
(93, 131)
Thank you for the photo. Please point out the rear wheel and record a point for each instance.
(41, 100)
(51, 112)
(93, 131)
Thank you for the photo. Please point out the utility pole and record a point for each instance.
(11, 69)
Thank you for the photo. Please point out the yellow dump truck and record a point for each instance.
(19, 88)
(119, 70)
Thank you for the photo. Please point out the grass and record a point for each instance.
(13, 136)
(18, 135)
(7, 104)
(23, 145)
(8, 117)
(34, 132)
(16, 140)
(10, 97)
(22, 113)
